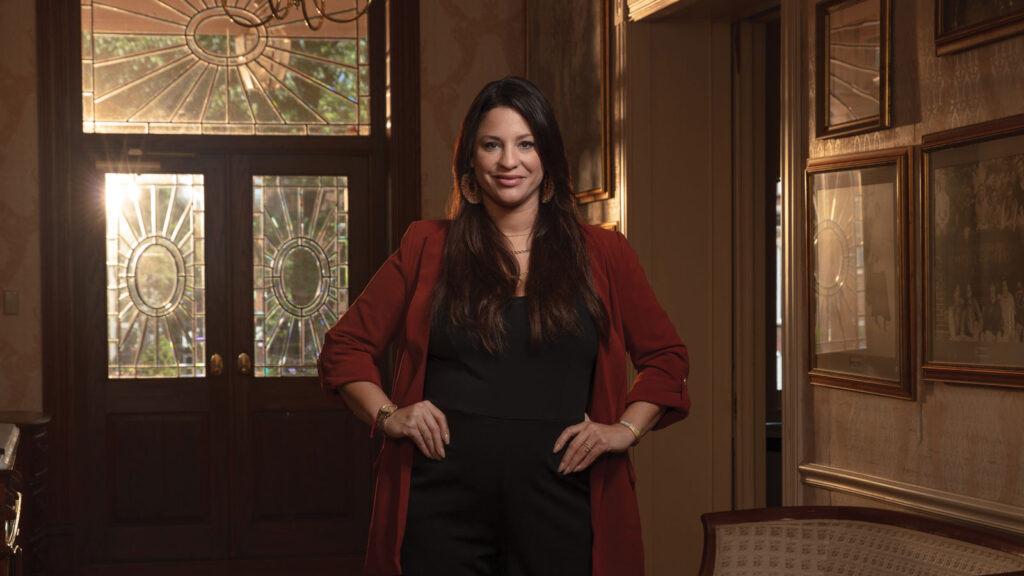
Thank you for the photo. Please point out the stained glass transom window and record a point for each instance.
(156, 317)
(184, 67)
(300, 250)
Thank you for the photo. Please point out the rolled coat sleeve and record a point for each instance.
(355, 344)
(659, 356)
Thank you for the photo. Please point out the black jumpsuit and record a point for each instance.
(496, 504)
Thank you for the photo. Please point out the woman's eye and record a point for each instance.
(490, 146)
(526, 145)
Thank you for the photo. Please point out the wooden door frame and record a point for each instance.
(395, 181)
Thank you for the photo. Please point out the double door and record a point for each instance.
(206, 283)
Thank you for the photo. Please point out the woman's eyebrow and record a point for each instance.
(525, 136)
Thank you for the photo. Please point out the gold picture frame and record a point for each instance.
(568, 47)
(859, 273)
(965, 24)
(853, 40)
(973, 237)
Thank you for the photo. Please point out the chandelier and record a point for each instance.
(314, 20)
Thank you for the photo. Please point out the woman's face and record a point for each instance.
(505, 160)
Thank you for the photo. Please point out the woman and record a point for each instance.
(509, 419)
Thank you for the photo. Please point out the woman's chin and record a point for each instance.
(511, 200)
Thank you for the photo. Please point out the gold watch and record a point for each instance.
(383, 413)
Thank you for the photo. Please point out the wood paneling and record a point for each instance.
(159, 466)
(679, 220)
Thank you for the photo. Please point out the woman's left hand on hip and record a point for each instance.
(587, 441)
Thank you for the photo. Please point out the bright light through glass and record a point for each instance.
(119, 187)
(778, 284)
(155, 270)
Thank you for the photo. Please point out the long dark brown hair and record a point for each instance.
(480, 273)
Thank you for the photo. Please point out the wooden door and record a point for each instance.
(302, 462)
(208, 282)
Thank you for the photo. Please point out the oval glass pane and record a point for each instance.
(156, 276)
(300, 277)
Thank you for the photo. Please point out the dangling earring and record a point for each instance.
(548, 191)
(468, 190)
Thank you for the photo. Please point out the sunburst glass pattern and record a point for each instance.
(838, 257)
(183, 67)
(156, 317)
(300, 268)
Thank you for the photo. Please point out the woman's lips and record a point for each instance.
(508, 181)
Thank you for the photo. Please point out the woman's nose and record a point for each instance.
(509, 157)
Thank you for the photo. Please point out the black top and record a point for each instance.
(549, 384)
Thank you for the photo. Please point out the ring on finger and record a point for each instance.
(588, 446)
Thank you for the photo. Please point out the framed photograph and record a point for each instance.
(859, 273)
(567, 57)
(973, 238)
(964, 24)
(853, 39)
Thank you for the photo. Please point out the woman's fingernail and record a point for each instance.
(447, 439)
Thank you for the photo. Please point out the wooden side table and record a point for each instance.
(32, 465)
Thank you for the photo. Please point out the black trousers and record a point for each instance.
(496, 505)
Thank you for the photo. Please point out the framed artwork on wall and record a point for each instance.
(973, 239)
(859, 273)
(568, 58)
(853, 39)
(964, 24)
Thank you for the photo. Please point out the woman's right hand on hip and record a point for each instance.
(424, 424)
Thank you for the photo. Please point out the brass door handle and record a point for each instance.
(244, 363)
(216, 365)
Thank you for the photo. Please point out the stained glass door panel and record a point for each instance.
(186, 67)
(300, 269)
(155, 241)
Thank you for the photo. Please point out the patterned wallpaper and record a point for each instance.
(966, 440)
(464, 45)
(20, 335)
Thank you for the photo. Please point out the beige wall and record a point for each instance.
(678, 215)
(964, 440)
(20, 335)
(464, 45)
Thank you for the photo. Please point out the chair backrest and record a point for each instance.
(853, 541)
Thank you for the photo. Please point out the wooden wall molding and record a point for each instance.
(968, 509)
(640, 9)
(797, 396)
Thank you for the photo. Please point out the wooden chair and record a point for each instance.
(852, 541)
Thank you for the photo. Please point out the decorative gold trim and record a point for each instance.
(882, 120)
(984, 32)
(901, 161)
(920, 498)
(640, 9)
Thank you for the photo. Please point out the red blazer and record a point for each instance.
(395, 307)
